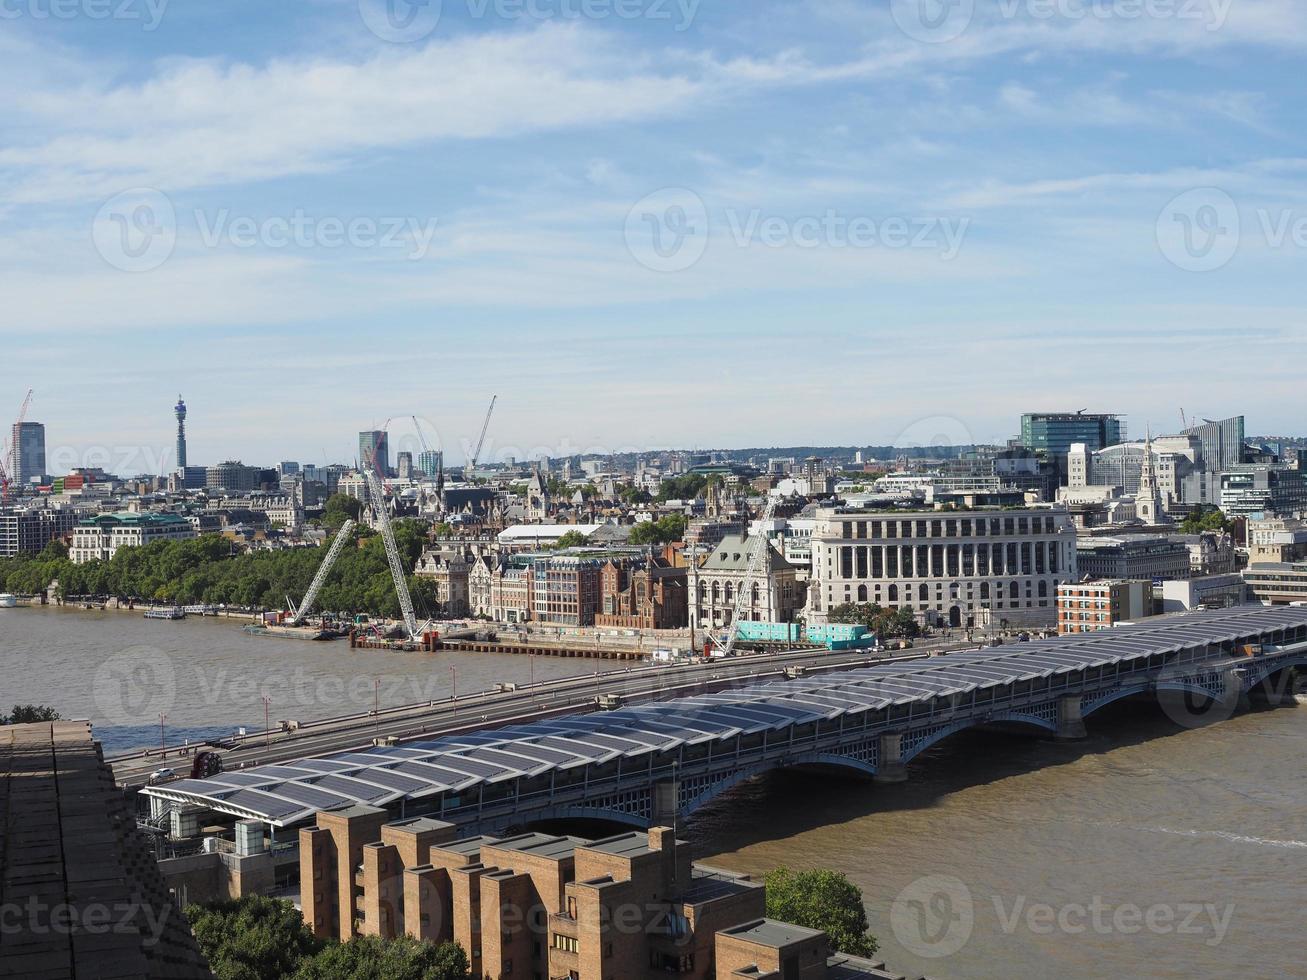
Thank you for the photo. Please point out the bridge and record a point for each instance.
(654, 762)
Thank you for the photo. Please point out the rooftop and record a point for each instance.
(770, 932)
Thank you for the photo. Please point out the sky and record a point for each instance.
(644, 223)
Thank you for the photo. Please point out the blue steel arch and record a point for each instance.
(1265, 670)
(591, 813)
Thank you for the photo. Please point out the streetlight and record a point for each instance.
(376, 701)
(163, 747)
(267, 725)
(531, 657)
(453, 683)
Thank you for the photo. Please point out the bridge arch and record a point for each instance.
(707, 791)
(913, 746)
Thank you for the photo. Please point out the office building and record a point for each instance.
(28, 454)
(1263, 489)
(27, 530)
(960, 568)
(1222, 449)
(288, 468)
(1277, 583)
(1276, 539)
(374, 451)
(1084, 607)
(1138, 556)
(1202, 592)
(232, 477)
(99, 538)
(404, 465)
(432, 463)
(1050, 435)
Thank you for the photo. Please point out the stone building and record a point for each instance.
(773, 596)
(959, 567)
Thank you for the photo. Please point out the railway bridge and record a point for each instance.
(652, 763)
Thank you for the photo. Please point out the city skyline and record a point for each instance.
(122, 457)
(506, 167)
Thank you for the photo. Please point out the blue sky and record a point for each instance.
(645, 223)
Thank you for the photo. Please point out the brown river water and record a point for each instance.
(1147, 850)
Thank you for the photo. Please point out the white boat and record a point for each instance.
(8, 600)
(172, 612)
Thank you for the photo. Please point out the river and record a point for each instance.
(209, 677)
(1146, 850)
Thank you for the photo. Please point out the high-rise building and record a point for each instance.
(374, 450)
(287, 468)
(1223, 451)
(29, 452)
(1052, 433)
(404, 466)
(180, 411)
(431, 463)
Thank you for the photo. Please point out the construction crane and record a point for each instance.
(376, 497)
(476, 456)
(8, 463)
(344, 534)
(759, 547)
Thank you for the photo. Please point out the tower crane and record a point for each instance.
(476, 456)
(344, 534)
(759, 547)
(7, 463)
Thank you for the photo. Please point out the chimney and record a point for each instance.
(660, 838)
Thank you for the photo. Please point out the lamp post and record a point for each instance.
(163, 747)
(453, 682)
(376, 701)
(267, 725)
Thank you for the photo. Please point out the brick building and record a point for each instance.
(539, 906)
(642, 593)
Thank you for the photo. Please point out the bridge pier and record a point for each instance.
(1070, 721)
(889, 760)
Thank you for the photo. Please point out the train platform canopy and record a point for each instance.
(290, 793)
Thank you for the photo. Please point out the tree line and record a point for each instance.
(207, 570)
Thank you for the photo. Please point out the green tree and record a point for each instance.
(662, 531)
(682, 487)
(1206, 518)
(338, 508)
(821, 899)
(254, 938)
(571, 539)
(25, 714)
(371, 958)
